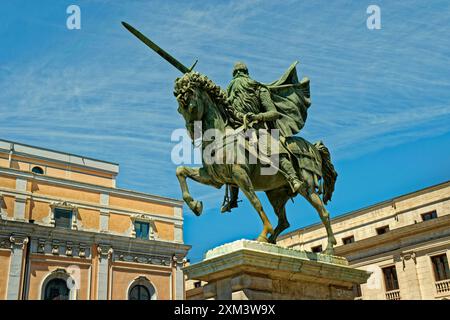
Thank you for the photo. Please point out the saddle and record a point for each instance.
(306, 155)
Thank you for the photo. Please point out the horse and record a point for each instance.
(201, 101)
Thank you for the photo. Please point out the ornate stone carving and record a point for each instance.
(178, 261)
(405, 256)
(67, 206)
(104, 251)
(69, 251)
(82, 251)
(18, 241)
(55, 247)
(41, 246)
(62, 204)
(142, 217)
(60, 247)
(5, 244)
(142, 258)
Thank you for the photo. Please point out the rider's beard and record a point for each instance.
(244, 95)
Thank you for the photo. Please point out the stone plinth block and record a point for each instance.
(250, 270)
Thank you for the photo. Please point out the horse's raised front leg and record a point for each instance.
(199, 175)
(241, 178)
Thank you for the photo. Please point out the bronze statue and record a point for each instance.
(304, 168)
(254, 100)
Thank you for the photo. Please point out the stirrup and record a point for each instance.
(296, 185)
(228, 206)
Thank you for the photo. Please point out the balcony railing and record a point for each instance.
(393, 295)
(442, 286)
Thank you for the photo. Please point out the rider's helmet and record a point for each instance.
(240, 67)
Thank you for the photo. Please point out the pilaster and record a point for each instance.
(17, 244)
(104, 252)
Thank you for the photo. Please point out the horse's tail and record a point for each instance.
(329, 175)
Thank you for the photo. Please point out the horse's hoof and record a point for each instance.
(196, 207)
(262, 239)
(272, 240)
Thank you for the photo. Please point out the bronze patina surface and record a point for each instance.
(304, 168)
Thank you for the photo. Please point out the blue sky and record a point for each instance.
(380, 98)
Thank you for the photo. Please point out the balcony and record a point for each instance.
(393, 295)
(443, 287)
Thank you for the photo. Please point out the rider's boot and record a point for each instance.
(291, 175)
(233, 202)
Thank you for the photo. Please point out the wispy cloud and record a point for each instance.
(100, 92)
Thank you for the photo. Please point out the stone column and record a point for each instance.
(104, 255)
(18, 244)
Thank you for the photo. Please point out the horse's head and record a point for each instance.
(195, 93)
(190, 101)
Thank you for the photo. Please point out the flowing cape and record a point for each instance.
(292, 100)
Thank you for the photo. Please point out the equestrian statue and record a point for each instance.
(303, 168)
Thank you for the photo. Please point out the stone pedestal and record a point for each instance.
(250, 270)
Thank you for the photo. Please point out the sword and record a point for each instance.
(174, 62)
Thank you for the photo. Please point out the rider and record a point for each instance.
(252, 99)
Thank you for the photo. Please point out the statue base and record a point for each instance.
(250, 270)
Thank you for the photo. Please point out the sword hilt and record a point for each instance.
(195, 63)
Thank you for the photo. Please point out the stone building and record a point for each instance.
(404, 242)
(67, 231)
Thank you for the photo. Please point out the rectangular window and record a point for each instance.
(390, 278)
(63, 218)
(348, 240)
(317, 249)
(142, 229)
(429, 215)
(382, 230)
(440, 266)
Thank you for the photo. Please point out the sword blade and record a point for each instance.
(174, 62)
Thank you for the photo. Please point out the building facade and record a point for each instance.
(404, 242)
(67, 231)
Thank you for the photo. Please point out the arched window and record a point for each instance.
(37, 170)
(57, 286)
(139, 292)
(141, 289)
(56, 289)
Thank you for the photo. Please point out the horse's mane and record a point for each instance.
(218, 96)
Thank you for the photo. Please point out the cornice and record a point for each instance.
(398, 236)
(92, 206)
(92, 187)
(370, 208)
(118, 242)
(64, 158)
